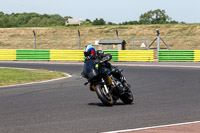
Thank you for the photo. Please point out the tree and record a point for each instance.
(2, 22)
(88, 20)
(173, 22)
(51, 22)
(30, 20)
(130, 23)
(57, 17)
(87, 23)
(155, 17)
(5, 22)
(1, 14)
(99, 21)
(67, 17)
(111, 23)
(24, 18)
(34, 22)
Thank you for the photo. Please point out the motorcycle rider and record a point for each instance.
(99, 56)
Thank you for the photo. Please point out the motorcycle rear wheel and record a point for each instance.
(127, 97)
(106, 99)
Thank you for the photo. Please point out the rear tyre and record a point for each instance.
(106, 99)
(127, 97)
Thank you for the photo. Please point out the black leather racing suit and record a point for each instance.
(103, 60)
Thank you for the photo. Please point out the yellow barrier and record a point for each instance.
(6, 54)
(196, 55)
(66, 55)
(136, 55)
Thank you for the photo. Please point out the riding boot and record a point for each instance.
(120, 88)
(92, 87)
(125, 84)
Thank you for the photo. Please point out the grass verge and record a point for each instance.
(11, 76)
(176, 36)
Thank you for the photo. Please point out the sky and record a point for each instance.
(116, 11)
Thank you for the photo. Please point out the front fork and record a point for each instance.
(108, 81)
(103, 82)
(105, 86)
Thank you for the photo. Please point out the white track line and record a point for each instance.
(68, 76)
(144, 128)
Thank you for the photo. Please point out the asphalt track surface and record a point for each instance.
(163, 95)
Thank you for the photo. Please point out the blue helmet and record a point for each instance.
(89, 51)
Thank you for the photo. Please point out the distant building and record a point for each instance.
(111, 43)
(74, 21)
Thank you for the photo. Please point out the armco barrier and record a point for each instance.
(6, 54)
(66, 55)
(177, 55)
(136, 55)
(122, 55)
(32, 55)
(196, 55)
(74, 55)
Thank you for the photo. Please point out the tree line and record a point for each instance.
(31, 20)
(37, 20)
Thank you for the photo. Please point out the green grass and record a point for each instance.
(10, 76)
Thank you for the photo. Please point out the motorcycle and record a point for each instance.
(106, 83)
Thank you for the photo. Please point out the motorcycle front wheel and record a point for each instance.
(105, 98)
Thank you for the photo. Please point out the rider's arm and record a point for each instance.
(106, 57)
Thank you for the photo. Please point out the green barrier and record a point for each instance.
(33, 55)
(176, 55)
(114, 54)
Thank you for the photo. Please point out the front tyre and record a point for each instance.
(105, 98)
